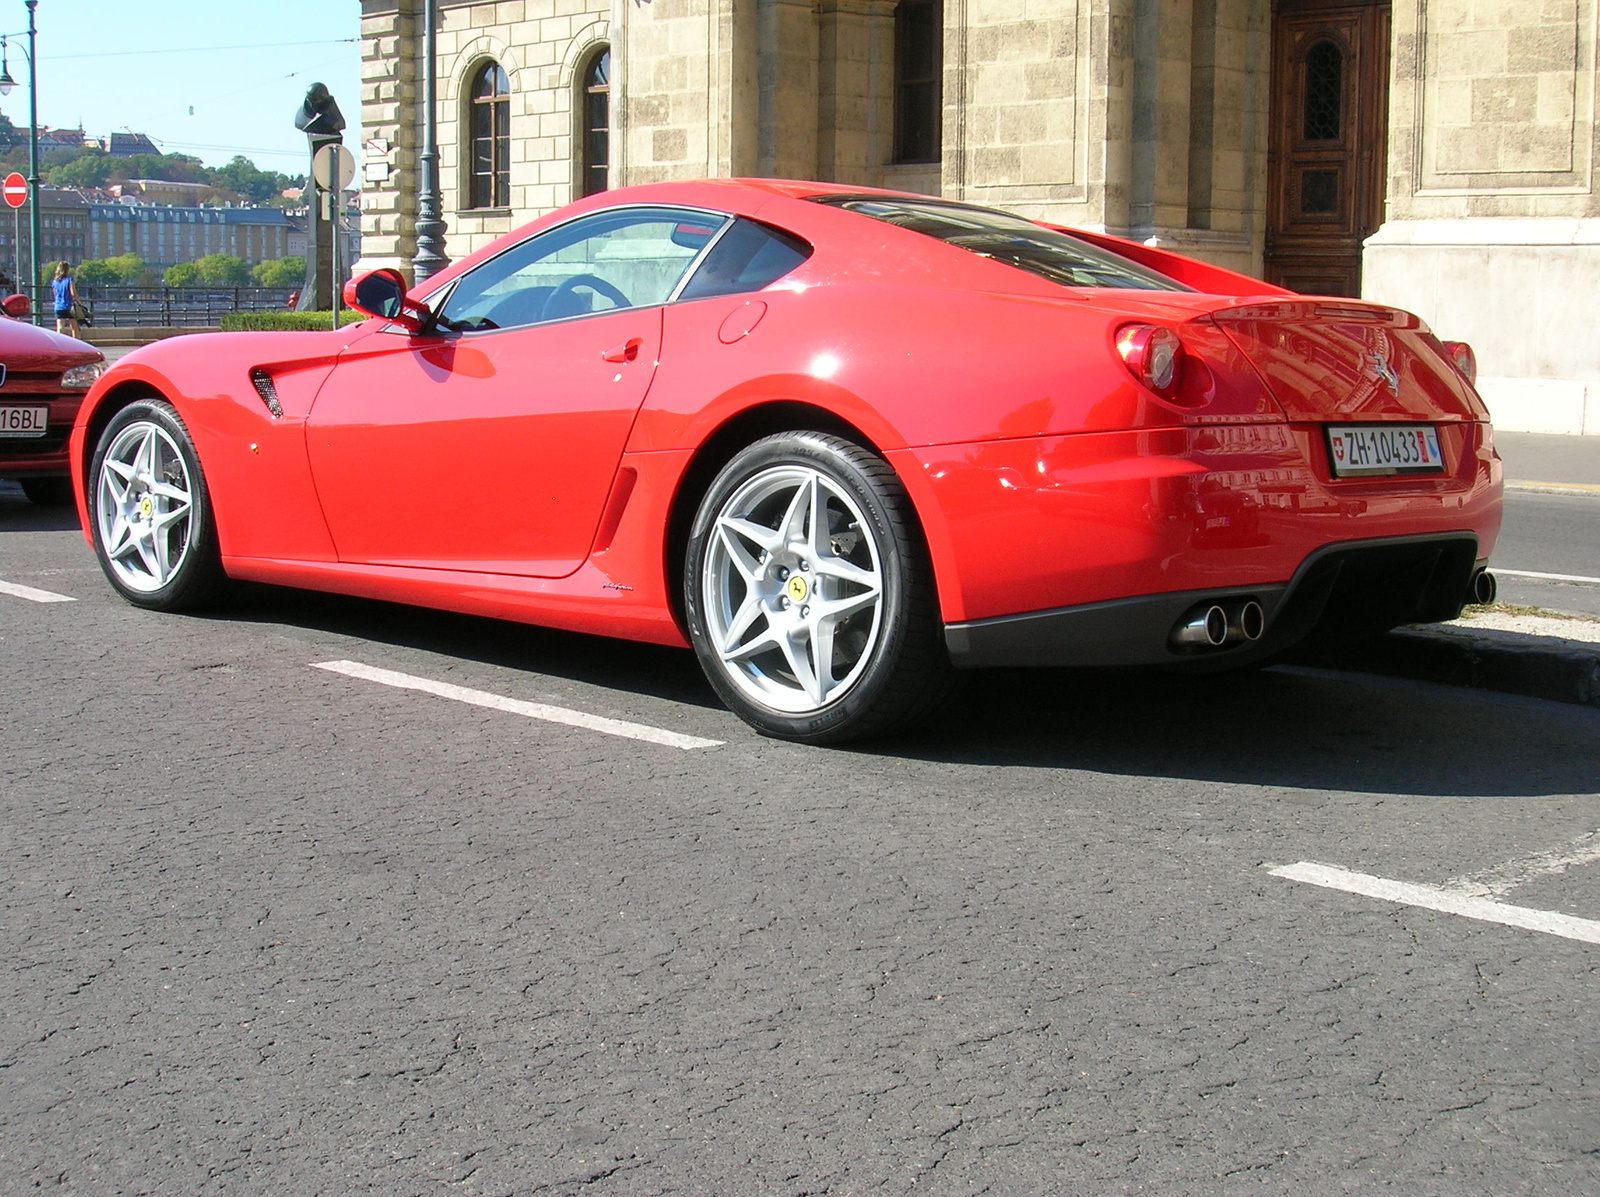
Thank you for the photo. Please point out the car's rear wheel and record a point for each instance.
(150, 513)
(808, 593)
(48, 492)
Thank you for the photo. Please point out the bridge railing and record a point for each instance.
(172, 307)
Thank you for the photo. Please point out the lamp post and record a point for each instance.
(6, 84)
(429, 259)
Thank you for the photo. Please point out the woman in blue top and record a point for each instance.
(66, 296)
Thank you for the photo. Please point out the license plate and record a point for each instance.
(24, 421)
(1355, 449)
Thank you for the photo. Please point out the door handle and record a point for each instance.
(624, 352)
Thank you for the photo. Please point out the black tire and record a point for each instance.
(178, 566)
(48, 492)
(861, 593)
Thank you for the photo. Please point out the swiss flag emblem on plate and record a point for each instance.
(1338, 450)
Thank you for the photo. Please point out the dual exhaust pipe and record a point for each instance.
(1216, 625)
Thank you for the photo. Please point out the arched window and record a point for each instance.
(918, 61)
(490, 179)
(595, 134)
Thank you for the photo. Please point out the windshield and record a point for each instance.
(1009, 239)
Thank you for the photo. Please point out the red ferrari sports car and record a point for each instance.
(837, 440)
(43, 379)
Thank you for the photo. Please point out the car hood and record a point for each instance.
(29, 347)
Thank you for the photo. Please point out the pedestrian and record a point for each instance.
(66, 299)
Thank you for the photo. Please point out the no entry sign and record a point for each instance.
(15, 190)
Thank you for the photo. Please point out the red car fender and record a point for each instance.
(247, 452)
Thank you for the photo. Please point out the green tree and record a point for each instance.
(284, 272)
(174, 168)
(129, 267)
(184, 274)
(61, 155)
(223, 270)
(91, 170)
(243, 176)
(95, 273)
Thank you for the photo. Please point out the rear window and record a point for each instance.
(748, 257)
(1009, 239)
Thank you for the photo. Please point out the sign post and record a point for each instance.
(15, 190)
(332, 168)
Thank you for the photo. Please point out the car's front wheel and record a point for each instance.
(150, 513)
(809, 596)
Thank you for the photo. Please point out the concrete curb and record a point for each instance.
(111, 337)
(1507, 662)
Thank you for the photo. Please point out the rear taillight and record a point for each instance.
(1464, 359)
(1153, 354)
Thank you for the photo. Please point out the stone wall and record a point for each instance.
(542, 44)
(1493, 230)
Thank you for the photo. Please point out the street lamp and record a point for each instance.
(429, 258)
(6, 84)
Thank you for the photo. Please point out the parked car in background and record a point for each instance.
(838, 440)
(43, 378)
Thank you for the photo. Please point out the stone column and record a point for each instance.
(689, 108)
(390, 56)
(852, 36)
(787, 80)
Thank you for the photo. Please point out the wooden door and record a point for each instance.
(1328, 156)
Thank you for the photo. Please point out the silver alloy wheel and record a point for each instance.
(144, 505)
(793, 589)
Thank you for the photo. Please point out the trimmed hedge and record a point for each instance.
(286, 321)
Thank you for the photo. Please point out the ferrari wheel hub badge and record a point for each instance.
(146, 507)
(797, 589)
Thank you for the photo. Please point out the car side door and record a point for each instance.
(489, 441)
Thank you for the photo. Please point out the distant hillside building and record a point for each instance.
(165, 191)
(126, 145)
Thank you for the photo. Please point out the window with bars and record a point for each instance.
(490, 176)
(595, 136)
(918, 60)
(1324, 91)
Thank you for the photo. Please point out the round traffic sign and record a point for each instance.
(331, 161)
(15, 189)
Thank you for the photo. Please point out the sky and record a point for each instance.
(208, 78)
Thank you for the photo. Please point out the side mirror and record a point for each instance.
(18, 306)
(382, 293)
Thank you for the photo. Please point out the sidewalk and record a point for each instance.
(1535, 461)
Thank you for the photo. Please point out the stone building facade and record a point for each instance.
(1436, 154)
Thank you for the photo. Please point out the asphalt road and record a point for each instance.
(270, 928)
(1548, 532)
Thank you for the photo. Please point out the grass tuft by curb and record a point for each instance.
(1519, 609)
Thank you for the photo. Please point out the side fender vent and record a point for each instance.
(262, 381)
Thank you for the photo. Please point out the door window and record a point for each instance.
(601, 263)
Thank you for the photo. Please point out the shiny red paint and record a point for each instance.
(34, 359)
(543, 473)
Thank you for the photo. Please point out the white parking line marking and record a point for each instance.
(1528, 573)
(532, 710)
(1430, 897)
(1502, 879)
(34, 596)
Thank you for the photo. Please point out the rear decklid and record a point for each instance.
(1345, 361)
